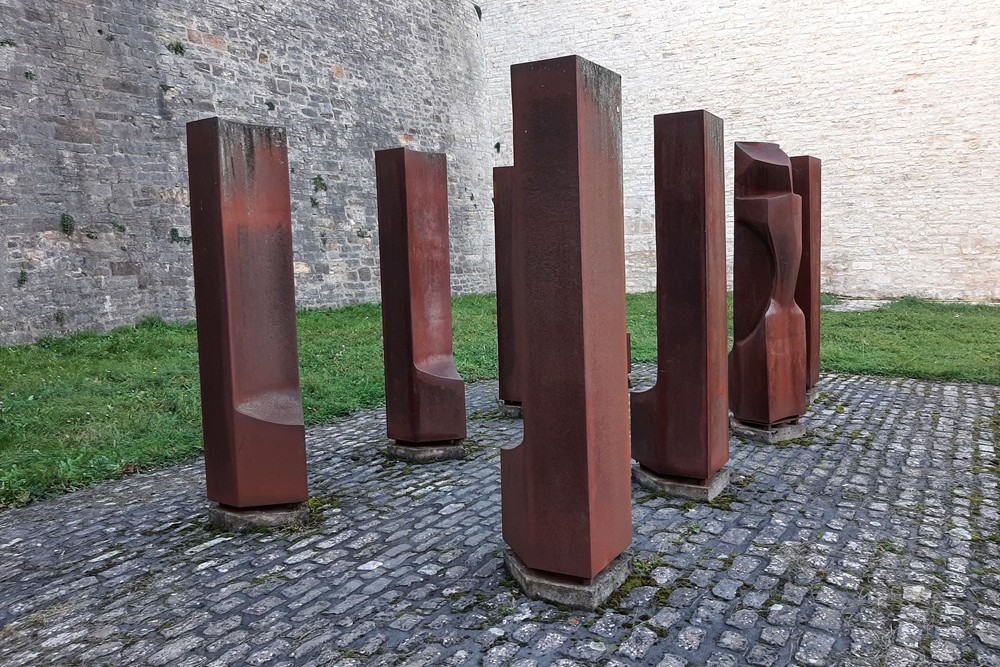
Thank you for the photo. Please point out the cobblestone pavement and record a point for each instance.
(874, 540)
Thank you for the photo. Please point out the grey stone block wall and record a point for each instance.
(94, 98)
(898, 98)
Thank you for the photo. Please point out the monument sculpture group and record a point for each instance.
(562, 343)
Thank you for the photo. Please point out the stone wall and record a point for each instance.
(94, 97)
(898, 98)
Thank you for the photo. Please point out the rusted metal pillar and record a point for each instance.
(767, 366)
(806, 182)
(425, 395)
(566, 489)
(245, 298)
(680, 426)
(507, 320)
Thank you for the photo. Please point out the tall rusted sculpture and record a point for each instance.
(424, 394)
(245, 298)
(806, 182)
(565, 489)
(767, 370)
(680, 426)
(507, 319)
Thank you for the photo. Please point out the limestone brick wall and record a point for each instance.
(94, 97)
(897, 97)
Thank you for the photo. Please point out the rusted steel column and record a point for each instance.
(680, 426)
(767, 364)
(806, 182)
(245, 298)
(565, 489)
(425, 395)
(503, 211)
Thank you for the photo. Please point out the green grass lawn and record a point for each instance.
(78, 410)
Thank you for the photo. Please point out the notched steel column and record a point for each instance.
(566, 490)
(245, 299)
(425, 395)
(680, 426)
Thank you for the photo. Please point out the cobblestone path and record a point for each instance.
(874, 540)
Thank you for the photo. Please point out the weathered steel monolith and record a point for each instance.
(806, 182)
(767, 370)
(425, 395)
(251, 403)
(566, 488)
(680, 426)
(503, 213)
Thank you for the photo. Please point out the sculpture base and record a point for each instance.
(558, 589)
(509, 409)
(811, 395)
(236, 520)
(770, 435)
(706, 491)
(426, 452)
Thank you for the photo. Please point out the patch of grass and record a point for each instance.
(176, 48)
(79, 410)
(915, 338)
(909, 338)
(75, 411)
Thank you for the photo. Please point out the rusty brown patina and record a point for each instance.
(245, 299)
(807, 183)
(425, 395)
(507, 321)
(566, 489)
(767, 371)
(680, 426)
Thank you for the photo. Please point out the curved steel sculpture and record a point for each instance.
(767, 371)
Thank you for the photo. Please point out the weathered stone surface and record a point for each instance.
(424, 394)
(233, 520)
(251, 403)
(568, 198)
(586, 595)
(108, 102)
(706, 492)
(680, 426)
(862, 81)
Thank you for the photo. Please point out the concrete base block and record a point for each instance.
(681, 488)
(510, 409)
(769, 435)
(447, 450)
(237, 520)
(575, 593)
(811, 395)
